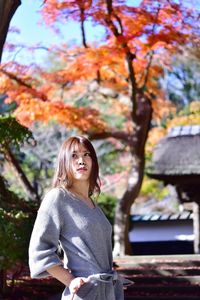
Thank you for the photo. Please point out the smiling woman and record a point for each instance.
(69, 215)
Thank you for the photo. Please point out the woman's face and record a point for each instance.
(81, 163)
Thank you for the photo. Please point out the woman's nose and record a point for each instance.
(81, 161)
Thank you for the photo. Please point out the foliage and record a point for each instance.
(37, 161)
(16, 215)
(182, 79)
(109, 156)
(12, 136)
(16, 221)
(152, 32)
(88, 87)
(110, 163)
(12, 133)
(189, 115)
(155, 134)
(153, 188)
(6, 108)
(107, 204)
(16, 227)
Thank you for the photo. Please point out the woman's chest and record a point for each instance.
(86, 221)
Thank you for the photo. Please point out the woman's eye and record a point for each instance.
(87, 154)
(74, 155)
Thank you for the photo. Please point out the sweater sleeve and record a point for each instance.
(45, 237)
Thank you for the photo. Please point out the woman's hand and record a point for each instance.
(76, 283)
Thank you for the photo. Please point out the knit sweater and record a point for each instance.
(85, 237)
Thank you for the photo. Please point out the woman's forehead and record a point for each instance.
(78, 148)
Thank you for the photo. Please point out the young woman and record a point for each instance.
(69, 216)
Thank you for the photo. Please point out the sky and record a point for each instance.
(27, 19)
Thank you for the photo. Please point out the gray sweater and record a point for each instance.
(85, 236)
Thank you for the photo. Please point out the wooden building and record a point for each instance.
(176, 161)
(162, 234)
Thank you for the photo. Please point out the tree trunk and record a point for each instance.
(122, 213)
(121, 227)
(3, 284)
(7, 10)
(28, 188)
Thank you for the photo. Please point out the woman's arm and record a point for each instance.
(64, 276)
(61, 274)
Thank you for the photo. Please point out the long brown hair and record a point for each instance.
(63, 173)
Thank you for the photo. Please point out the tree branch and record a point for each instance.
(82, 20)
(43, 3)
(109, 6)
(151, 54)
(119, 135)
(7, 10)
(20, 173)
(132, 80)
(27, 85)
(129, 55)
(11, 201)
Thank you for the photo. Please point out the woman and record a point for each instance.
(69, 216)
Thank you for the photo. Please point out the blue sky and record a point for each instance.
(27, 18)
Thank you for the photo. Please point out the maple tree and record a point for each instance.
(123, 67)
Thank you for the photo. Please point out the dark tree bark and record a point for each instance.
(136, 142)
(143, 118)
(7, 10)
(29, 189)
(3, 283)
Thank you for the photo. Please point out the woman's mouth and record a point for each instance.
(82, 169)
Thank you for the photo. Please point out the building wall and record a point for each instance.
(162, 237)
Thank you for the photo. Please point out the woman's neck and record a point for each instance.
(81, 190)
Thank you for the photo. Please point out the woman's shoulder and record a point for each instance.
(53, 199)
(53, 194)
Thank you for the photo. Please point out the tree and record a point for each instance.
(12, 135)
(181, 81)
(124, 68)
(16, 215)
(7, 10)
(16, 222)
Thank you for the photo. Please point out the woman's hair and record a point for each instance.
(63, 172)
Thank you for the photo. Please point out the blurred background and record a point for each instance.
(126, 75)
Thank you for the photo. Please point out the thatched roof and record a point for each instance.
(178, 154)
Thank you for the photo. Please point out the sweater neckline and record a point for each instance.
(75, 197)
